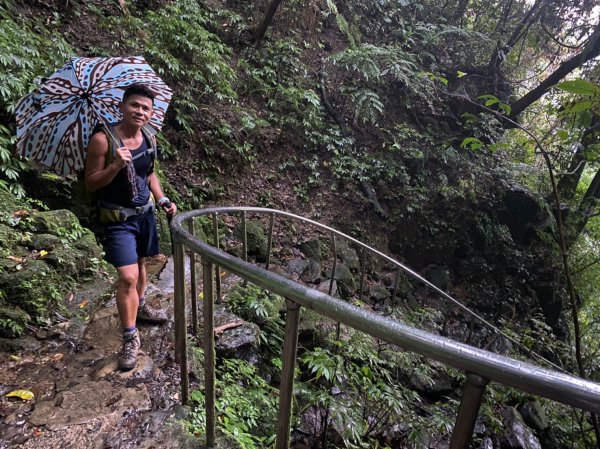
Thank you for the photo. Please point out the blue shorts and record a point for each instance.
(125, 243)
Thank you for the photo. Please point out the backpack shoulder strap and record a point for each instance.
(112, 143)
(151, 141)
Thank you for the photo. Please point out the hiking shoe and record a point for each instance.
(149, 314)
(129, 352)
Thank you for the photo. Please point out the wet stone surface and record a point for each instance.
(82, 400)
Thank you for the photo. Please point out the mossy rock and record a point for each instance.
(10, 237)
(12, 321)
(67, 261)
(30, 288)
(312, 249)
(88, 246)
(347, 254)
(256, 239)
(55, 222)
(45, 242)
(346, 282)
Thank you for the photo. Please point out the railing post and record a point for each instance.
(286, 390)
(334, 264)
(194, 282)
(209, 352)
(216, 267)
(180, 321)
(468, 411)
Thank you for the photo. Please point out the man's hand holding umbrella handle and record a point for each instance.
(122, 156)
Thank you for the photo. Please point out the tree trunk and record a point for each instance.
(501, 51)
(568, 182)
(590, 51)
(585, 209)
(260, 31)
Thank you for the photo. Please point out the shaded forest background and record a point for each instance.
(461, 137)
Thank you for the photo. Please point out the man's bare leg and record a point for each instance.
(127, 305)
(127, 294)
(146, 312)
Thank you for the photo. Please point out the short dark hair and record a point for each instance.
(138, 89)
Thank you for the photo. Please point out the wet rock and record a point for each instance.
(380, 293)
(10, 237)
(516, 434)
(311, 249)
(533, 415)
(324, 286)
(88, 401)
(234, 341)
(346, 282)
(437, 275)
(143, 368)
(12, 321)
(44, 242)
(54, 222)
(256, 239)
(522, 213)
(313, 274)
(297, 266)
(19, 344)
(347, 254)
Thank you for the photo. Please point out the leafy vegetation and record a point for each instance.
(28, 51)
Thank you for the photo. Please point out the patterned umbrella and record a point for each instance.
(55, 122)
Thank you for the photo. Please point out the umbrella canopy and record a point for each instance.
(55, 122)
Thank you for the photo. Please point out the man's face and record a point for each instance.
(137, 110)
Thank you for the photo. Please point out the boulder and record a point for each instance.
(312, 249)
(345, 280)
(347, 254)
(533, 415)
(12, 321)
(256, 239)
(516, 434)
(56, 222)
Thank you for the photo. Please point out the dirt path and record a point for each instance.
(82, 401)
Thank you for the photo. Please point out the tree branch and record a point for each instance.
(590, 51)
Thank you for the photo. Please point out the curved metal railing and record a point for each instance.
(481, 366)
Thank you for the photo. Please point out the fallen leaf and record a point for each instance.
(17, 259)
(25, 395)
(20, 213)
(43, 253)
(70, 297)
(15, 358)
(83, 303)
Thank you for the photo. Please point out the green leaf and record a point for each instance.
(580, 106)
(579, 87)
(460, 74)
(472, 142)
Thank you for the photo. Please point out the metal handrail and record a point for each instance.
(481, 366)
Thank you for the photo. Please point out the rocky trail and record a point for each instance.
(81, 400)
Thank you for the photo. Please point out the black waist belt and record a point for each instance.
(113, 213)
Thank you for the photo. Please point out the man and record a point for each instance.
(120, 167)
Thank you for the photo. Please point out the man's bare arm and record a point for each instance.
(157, 192)
(97, 175)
